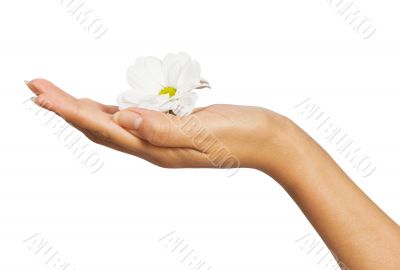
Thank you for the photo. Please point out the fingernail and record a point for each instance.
(129, 120)
(27, 82)
(33, 99)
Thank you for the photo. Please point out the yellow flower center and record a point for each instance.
(168, 90)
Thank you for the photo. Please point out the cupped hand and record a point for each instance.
(217, 136)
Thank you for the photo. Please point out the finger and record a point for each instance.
(91, 118)
(111, 109)
(160, 129)
(161, 156)
(53, 98)
(84, 114)
(114, 136)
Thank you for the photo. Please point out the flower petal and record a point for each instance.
(146, 75)
(132, 98)
(173, 65)
(137, 99)
(189, 78)
(185, 104)
(165, 104)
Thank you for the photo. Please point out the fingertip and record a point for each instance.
(128, 119)
(31, 87)
(42, 102)
(38, 85)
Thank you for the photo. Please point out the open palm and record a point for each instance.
(215, 136)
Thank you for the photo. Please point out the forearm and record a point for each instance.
(360, 234)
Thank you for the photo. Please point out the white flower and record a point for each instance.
(163, 85)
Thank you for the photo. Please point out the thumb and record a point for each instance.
(157, 128)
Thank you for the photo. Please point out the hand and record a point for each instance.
(229, 136)
(216, 136)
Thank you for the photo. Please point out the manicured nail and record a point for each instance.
(129, 120)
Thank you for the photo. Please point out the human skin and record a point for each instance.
(356, 230)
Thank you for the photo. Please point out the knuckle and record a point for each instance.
(79, 107)
(102, 134)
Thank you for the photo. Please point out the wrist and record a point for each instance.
(288, 149)
(298, 161)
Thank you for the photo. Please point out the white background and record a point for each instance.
(273, 54)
